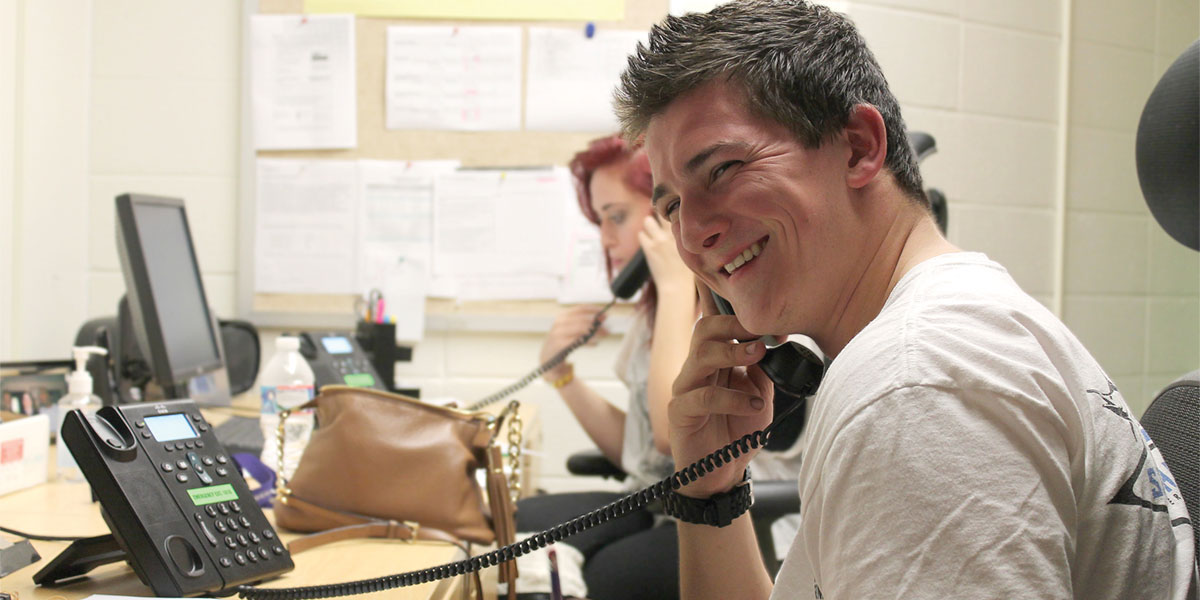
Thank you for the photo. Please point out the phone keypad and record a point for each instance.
(350, 366)
(234, 538)
(240, 541)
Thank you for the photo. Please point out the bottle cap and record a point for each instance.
(79, 381)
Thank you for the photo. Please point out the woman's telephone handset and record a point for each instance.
(792, 367)
(632, 277)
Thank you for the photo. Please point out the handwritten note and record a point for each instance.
(396, 235)
(457, 78)
(572, 77)
(304, 222)
(497, 222)
(586, 278)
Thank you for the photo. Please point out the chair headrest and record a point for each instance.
(922, 144)
(1168, 149)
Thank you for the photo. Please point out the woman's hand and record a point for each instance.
(568, 326)
(668, 270)
(720, 395)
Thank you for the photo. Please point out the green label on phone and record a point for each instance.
(212, 494)
(359, 379)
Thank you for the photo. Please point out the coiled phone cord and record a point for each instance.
(613, 510)
(554, 361)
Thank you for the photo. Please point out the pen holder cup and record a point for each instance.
(379, 342)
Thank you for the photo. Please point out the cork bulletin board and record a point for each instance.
(484, 149)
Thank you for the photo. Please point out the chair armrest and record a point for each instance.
(774, 498)
(593, 463)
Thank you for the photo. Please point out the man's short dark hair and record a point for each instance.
(800, 64)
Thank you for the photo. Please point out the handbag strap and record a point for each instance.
(392, 530)
(365, 527)
(516, 431)
(503, 516)
(355, 525)
(407, 531)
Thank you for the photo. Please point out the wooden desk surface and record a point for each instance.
(65, 509)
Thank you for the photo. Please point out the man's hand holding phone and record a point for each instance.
(719, 396)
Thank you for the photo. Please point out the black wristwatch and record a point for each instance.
(717, 511)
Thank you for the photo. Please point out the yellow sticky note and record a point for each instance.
(511, 10)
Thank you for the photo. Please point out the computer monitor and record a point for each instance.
(169, 314)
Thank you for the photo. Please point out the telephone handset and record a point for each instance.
(792, 367)
(631, 278)
(179, 511)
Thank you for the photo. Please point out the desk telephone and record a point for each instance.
(337, 358)
(179, 511)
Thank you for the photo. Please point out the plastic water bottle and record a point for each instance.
(286, 384)
(79, 395)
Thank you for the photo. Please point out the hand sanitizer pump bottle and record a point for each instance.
(79, 395)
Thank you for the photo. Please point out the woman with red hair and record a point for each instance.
(629, 558)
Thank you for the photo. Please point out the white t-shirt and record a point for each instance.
(965, 445)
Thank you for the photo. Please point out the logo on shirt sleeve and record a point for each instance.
(1150, 484)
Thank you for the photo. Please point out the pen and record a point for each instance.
(555, 585)
(379, 310)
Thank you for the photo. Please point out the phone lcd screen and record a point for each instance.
(168, 428)
(336, 345)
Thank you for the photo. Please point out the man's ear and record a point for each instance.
(867, 136)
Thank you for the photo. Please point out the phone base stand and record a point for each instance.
(79, 558)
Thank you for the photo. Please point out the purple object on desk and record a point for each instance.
(264, 494)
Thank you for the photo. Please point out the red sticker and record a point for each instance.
(12, 451)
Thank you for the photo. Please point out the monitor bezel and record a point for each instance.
(146, 321)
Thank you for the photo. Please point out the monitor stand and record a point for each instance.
(210, 389)
(136, 383)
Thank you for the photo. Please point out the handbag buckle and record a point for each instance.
(415, 527)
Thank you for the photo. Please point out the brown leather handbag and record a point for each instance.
(386, 465)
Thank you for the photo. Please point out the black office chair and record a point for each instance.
(773, 499)
(242, 353)
(1168, 166)
(1173, 422)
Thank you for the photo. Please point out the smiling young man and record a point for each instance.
(963, 443)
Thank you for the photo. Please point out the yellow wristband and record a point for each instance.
(561, 382)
